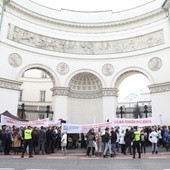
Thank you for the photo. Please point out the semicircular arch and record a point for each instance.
(42, 67)
(124, 73)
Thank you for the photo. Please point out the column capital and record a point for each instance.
(60, 91)
(110, 92)
(160, 87)
(10, 84)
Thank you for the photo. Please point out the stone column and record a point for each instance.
(59, 103)
(160, 98)
(9, 94)
(109, 103)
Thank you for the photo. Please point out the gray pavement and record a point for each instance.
(76, 160)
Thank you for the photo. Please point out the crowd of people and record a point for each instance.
(128, 140)
(108, 142)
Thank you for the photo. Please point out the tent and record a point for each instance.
(8, 114)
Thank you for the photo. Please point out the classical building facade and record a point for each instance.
(86, 55)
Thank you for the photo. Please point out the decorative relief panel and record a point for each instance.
(155, 64)
(15, 60)
(159, 88)
(110, 92)
(87, 95)
(62, 68)
(26, 37)
(9, 84)
(107, 69)
(62, 91)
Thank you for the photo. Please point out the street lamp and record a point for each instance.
(48, 110)
(121, 111)
(146, 110)
(22, 110)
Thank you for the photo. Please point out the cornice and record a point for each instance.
(159, 88)
(10, 84)
(59, 91)
(65, 91)
(110, 92)
(68, 26)
(85, 95)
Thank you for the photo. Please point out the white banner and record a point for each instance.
(52, 123)
(133, 122)
(10, 122)
(73, 128)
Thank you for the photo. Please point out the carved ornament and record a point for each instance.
(64, 91)
(107, 69)
(159, 88)
(10, 84)
(62, 68)
(155, 64)
(35, 40)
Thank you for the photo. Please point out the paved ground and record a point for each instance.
(77, 160)
(81, 153)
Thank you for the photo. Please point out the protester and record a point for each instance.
(99, 141)
(113, 138)
(7, 139)
(136, 142)
(27, 141)
(16, 143)
(91, 143)
(41, 140)
(128, 140)
(107, 144)
(143, 141)
(64, 144)
(153, 137)
(122, 141)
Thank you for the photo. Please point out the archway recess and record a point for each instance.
(43, 68)
(39, 79)
(121, 75)
(134, 93)
(85, 98)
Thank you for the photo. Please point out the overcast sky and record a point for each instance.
(92, 5)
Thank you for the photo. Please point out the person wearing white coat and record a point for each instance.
(122, 141)
(64, 143)
(153, 137)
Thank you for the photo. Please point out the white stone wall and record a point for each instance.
(31, 89)
(89, 111)
(9, 100)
